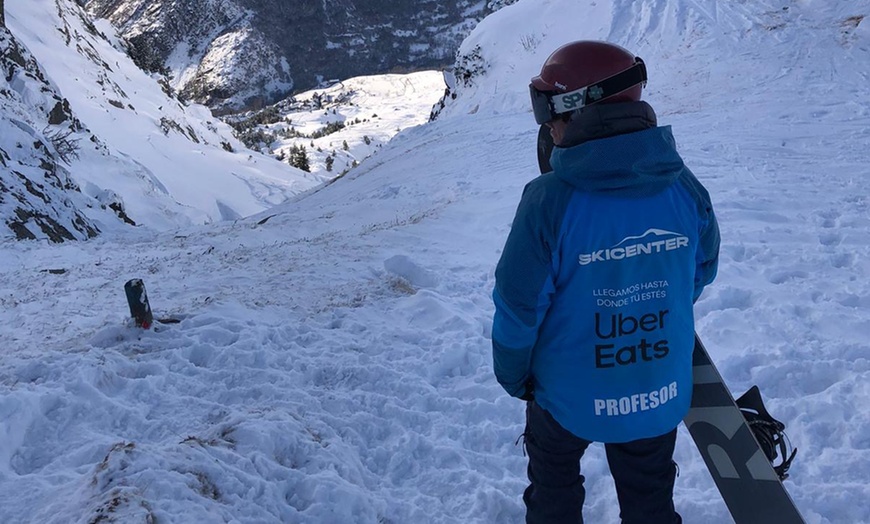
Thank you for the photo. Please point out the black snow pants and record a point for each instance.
(643, 471)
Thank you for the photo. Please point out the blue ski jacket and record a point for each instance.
(595, 287)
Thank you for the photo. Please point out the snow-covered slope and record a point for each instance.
(334, 129)
(39, 135)
(171, 164)
(332, 360)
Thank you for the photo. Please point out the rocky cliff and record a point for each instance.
(233, 54)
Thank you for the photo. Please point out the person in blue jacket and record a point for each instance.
(594, 290)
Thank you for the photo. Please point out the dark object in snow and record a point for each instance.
(137, 299)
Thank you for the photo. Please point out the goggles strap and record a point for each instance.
(574, 100)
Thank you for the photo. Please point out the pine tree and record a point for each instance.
(329, 162)
(299, 158)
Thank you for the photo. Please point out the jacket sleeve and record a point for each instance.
(707, 258)
(707, 255)
(523, 291)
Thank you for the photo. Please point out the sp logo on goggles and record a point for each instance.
(571, 101)
(576, 99)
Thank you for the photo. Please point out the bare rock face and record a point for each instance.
(235, 54)
(38, 200)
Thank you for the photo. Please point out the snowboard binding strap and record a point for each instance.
(768, 431)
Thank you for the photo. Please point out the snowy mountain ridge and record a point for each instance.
(131, 152)
(238, 54)
(160, 162)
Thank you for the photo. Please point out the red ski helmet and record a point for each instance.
(582, 73)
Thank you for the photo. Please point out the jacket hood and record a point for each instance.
(634, 157)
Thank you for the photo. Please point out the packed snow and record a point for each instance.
(328, 360)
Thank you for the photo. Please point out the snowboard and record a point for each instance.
(545, 148)
(740, 466)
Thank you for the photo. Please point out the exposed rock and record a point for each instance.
(36, 193)
(234, 54)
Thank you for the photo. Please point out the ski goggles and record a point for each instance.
(547, 105)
